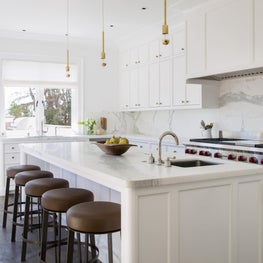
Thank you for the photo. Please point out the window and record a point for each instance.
(37, 93)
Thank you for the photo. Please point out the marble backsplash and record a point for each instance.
(240, 109)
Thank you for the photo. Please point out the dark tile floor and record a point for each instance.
(11, 252)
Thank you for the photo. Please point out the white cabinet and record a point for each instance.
(124, 91)
(139, 55)
(124, 59)
(258, 31)
(160, 83)
(178, 42)
(229, 34)
(159, 51)
(224, 37)
(179, 81)
(139, 77)
(139, 92)
(195, 44)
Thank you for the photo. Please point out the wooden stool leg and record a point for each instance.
(6, 202)
(110, 248)
(13, 237)
(25, 230)
(70, 246)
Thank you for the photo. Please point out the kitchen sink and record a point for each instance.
(191, 163)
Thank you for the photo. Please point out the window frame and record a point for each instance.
(77, 103)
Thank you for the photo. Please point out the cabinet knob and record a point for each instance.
(182, 48)
(138, 104)
(13, 157)
(160, 55)
(13, 148)
(156, 56)
(160, 103)
(187, 101)
(157, 103)
(182, 101)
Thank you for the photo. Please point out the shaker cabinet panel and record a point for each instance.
(195, 44)
(179, 81)
(258, 31)
(124, 92)
(154, 84)
(165, 83)
(178, 42)
(229, 36)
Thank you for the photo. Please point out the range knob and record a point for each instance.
(253, 159)
(241, 158)
(193, 151)
(261, 161)
(187, 150)
(231, 156)
(217, 155)
(201, 152)
(207, 153)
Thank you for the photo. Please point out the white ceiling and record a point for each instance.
(44, 18)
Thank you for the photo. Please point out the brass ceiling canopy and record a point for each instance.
(165, 30)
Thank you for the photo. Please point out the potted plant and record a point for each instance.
(89, 123)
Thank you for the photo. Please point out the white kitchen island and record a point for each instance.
(209, 214)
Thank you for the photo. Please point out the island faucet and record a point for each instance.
(160, 161)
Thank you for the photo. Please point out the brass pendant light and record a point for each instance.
(103, 54)
(67, 40)
(165, 30)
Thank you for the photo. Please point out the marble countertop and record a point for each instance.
(131, 169)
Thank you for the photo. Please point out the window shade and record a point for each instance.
(44, 74)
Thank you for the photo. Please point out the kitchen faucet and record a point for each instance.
(160, 161)
(42, 131)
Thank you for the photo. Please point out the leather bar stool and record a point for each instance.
(93, 218)
(20, 180)
(10, 175)
(34, 189)
(59, 201)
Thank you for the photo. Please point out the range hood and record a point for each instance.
(233, 74)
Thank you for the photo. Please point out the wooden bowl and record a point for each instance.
(114, 149)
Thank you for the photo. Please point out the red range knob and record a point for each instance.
(241, 158)
(231, 157)
(253, 159)
(193, 151)
(207, 153)
(187, 150)
(217, 155)
(261, 161)
(202, 153)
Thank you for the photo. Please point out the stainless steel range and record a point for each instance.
(249, 149)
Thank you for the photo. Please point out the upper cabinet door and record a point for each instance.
(258, 31)
(229, 35)
(159, 51)
(195, 44)
(125, 59)
(178, 42)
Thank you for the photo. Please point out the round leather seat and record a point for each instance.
(60, 200)
(37, 187)
(94, 217)
(13, 170)
(23, 177)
